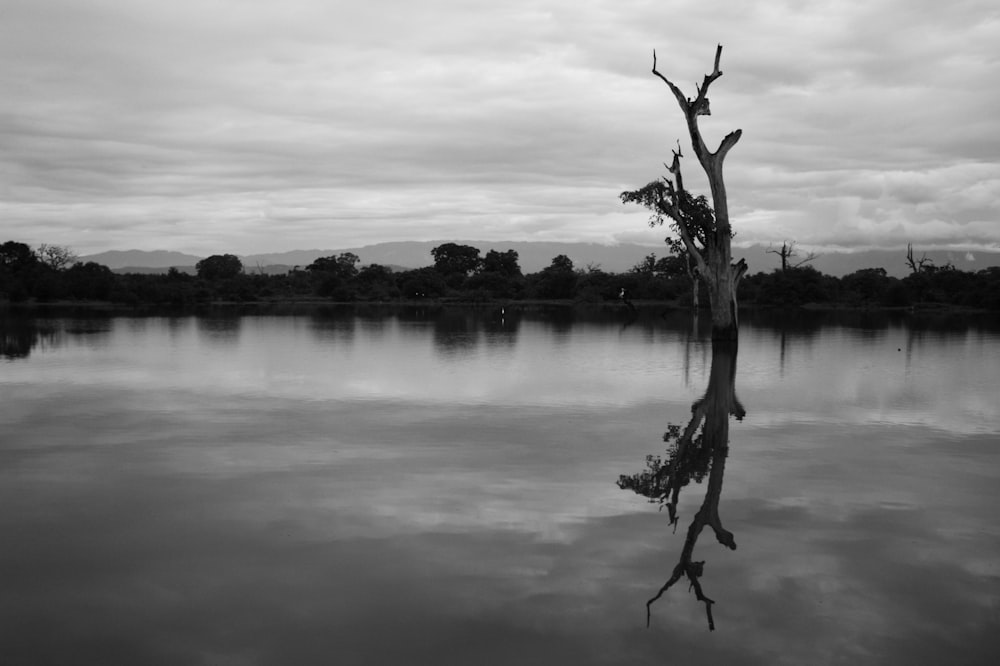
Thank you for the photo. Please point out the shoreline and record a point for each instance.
(315, 303)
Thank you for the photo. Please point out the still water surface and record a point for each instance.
(440, 487)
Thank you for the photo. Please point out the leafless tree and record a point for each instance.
(787, 251)
(56, 257)
(917, 265)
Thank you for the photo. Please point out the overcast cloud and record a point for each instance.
(247, 126)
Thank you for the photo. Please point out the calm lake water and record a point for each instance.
(433, 486)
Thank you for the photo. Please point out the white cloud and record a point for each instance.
(207, 126)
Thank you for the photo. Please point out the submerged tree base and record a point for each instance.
(730, 333)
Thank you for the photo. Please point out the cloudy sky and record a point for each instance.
(248, 126)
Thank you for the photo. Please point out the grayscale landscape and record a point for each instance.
(523, 333)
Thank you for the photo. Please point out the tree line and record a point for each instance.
(461, 273)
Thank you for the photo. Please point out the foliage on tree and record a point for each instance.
(669, 266)
(455, 259)
(422, 283)
(377, 283)
(219, 267)
(699, 221)
(792, 287)
(503, 263)
(499, 276)
(867, 286)
(16, 256)
(18, 271)
(561, 263)
(90, 281)
(334, 275)
(558, 279)
(344, 265)
(646, 265)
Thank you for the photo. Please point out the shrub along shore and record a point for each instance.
(459, 275)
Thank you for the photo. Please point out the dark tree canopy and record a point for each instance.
(16, 256)
(452, 259)
(695, 212)
(504, 263)
(219, 267)
(344, 265)
(560, 264)
(26, 279)
(558, 279)
(90, 280)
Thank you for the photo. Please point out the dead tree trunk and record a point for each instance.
(695, 287)
(714, 265)
(916, 265)
(786, 252)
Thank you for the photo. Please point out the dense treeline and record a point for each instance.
(459, 273)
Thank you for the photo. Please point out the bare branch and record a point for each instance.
(786, 252)
(687, 235)
(727, 142)
(808, 258)
(722, 535)
(693, 570)
(700, 106)
(674, 89)
(675, 167)
(678, 572)
(917, 265)
(739, 270)
(56, 257)
(669, 205)
(696, 586)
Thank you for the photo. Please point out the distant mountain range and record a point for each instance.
(536, 256)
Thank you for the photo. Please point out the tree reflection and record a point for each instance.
(695, 452)
(502, 326)
(19, 336)
(456, 332)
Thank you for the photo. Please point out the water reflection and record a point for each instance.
(459, 332)
(456, 332)
(218, 328)
(333, 326)
(167, 496)
(695, 451)
(19, 336)
(501, 326)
